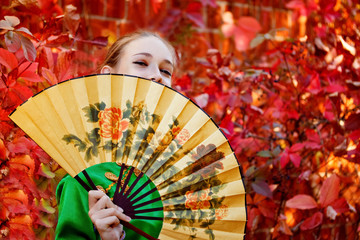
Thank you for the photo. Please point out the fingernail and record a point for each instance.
(121, 210)
(128, 219)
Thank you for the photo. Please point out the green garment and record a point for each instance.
(74, 221)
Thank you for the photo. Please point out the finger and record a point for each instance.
(108, 222)
(103, 203)
(94, 196)
(104, 213)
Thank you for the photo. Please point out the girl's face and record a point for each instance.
(146, 57)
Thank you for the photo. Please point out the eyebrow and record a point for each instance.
(149, 55)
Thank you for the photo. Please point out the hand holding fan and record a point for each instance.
(157, 137)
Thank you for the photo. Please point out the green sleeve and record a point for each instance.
(74, 221)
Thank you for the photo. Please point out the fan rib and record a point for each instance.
(126, 182)
(133, 184)
(137, 230)
(87, 188)
(89, 180)
(116, 196)
(146, 210)
(143, 196)
(147, 202)
(139, 189)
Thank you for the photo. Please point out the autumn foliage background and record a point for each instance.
(287, 97)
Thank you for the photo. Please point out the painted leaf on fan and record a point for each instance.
(92, 111)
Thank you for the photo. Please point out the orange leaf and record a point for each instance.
(329, 191)
(25, 160)
(15, 194)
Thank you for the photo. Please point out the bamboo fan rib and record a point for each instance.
(160, 139)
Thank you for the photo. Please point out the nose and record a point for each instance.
(155, 75)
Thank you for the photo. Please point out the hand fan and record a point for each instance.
(153, 133)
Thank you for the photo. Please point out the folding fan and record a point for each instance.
(153, 133)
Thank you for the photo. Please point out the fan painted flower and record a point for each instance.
(111, 123)
(183, 136)
(221, 212)
(207, 160)
(199, 200)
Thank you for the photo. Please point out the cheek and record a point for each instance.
(167, 81)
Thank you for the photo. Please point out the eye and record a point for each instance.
(166, 72)
(141, 63)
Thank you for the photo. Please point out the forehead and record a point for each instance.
(150, 44)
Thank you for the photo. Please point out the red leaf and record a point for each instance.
(285, 158)
(301, 201)
(261, 187)
(353, 122)
(329, 112)
(100, 41)
(28, 48)
(196, 18)
(296, 147)
(254, 217)
(355, 135)
(295, 159)
(243, 38)
(335, 88)
(268, 208)
(340, 205)
(227, 123)
(329, 191)
(249, 24)
(8, 59)
(22, 92)
(312, 222)
(28, 72)
(295, 4)
(49, 76)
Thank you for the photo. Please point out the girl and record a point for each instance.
(93, 215)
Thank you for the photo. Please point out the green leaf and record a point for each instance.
(108, 146)
(88, 154)
(46, 220)
(210, 233)
(92, 113)
(265, 154)
(46, 206)
(257, 40)
(100, 106)
(45, 171)
(204, 224)
(95, 151)
(127, 113)
(94, 137)
(71, 138)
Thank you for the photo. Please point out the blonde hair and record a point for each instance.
(113, 56)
